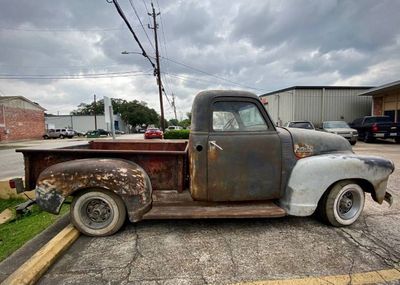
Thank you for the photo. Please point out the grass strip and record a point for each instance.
(16, 233)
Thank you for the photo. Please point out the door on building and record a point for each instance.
(391, 114)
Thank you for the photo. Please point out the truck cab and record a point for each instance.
(235, 149)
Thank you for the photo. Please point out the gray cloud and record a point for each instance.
(261, 44)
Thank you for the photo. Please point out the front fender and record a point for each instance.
(312, 176)
(125, 178)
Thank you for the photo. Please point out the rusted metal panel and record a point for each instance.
(123, 177)
(221, 210)
(165, 164)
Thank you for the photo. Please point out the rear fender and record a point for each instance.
(312, 176)
(125, 178)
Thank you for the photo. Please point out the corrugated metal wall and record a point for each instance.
(280, 106)
(308, 105)
(317, 105)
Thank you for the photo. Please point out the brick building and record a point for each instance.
(20, 119)
(386, 100)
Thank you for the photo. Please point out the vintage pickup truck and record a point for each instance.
(236, 164)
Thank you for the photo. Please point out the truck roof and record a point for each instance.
(201, 106)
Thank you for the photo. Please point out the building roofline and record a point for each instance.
(379, 89)
(315, 87)
(8, 98)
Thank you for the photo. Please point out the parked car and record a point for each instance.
(174, 128)
(253, 171)
(59, 133)
(372, 127)
(300, 124)
(119, 132)
(342, 129)
(153, 133)
(97, 133)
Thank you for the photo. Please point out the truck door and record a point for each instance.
(244, 152)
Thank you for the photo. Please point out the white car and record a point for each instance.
(342, 129)
(174, 128)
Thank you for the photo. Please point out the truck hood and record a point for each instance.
(310, 142)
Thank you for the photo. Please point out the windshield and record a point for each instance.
(301, 125)
(335, 125)
(371, 120)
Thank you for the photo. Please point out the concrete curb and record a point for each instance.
(15, 260)
(36, 266)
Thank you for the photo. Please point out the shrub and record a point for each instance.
(177, 135)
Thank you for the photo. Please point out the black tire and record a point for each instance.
(98, 212)
(368, 138)
(353, 143)
(61, 136)
(342, 204)
(46, 137)
(397, 140)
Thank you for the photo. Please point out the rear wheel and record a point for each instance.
(368, 138)
(342, 205)
(97, 212)
(353, 142)
(61, 136)
(397, 140)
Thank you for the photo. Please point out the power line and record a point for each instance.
(210, 74)
(74, 76)
(167, 83)
(147, 10)
(62, 29)
(122, 15)
(188, 78)
(140, 21)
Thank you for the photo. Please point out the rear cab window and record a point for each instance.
(237, 116)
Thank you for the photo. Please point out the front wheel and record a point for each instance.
(97, 212)
(342, 205)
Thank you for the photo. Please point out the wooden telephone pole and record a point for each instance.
(158, 74)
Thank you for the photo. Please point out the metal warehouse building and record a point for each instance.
(83, 123)
(317, 104)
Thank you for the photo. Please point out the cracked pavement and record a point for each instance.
(229, 251)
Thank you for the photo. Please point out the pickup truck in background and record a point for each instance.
(372, 127)
(236, 164)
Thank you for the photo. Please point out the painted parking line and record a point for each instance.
(372, 277)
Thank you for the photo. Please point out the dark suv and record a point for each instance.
(372, 127)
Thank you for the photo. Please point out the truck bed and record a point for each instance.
(164, 161)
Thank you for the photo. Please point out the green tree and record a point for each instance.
(132, 112)
(173, 122)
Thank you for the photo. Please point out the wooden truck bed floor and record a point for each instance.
(174, 205)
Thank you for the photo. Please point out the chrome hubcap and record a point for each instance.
(349, 204)
(98, 211)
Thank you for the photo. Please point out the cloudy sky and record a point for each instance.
(59, 53)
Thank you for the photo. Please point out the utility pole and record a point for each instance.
(173, 105)
(95, 118)
(155, 26)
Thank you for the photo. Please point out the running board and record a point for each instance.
(227, 210)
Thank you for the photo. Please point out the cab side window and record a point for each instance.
(234, 116)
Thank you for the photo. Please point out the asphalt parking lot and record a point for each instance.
(231, 251)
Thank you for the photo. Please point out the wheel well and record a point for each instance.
(363, 183)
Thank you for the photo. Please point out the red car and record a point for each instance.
(153, 134)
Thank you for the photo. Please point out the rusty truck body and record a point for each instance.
(236, 164)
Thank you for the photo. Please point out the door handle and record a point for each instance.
(214, 144)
